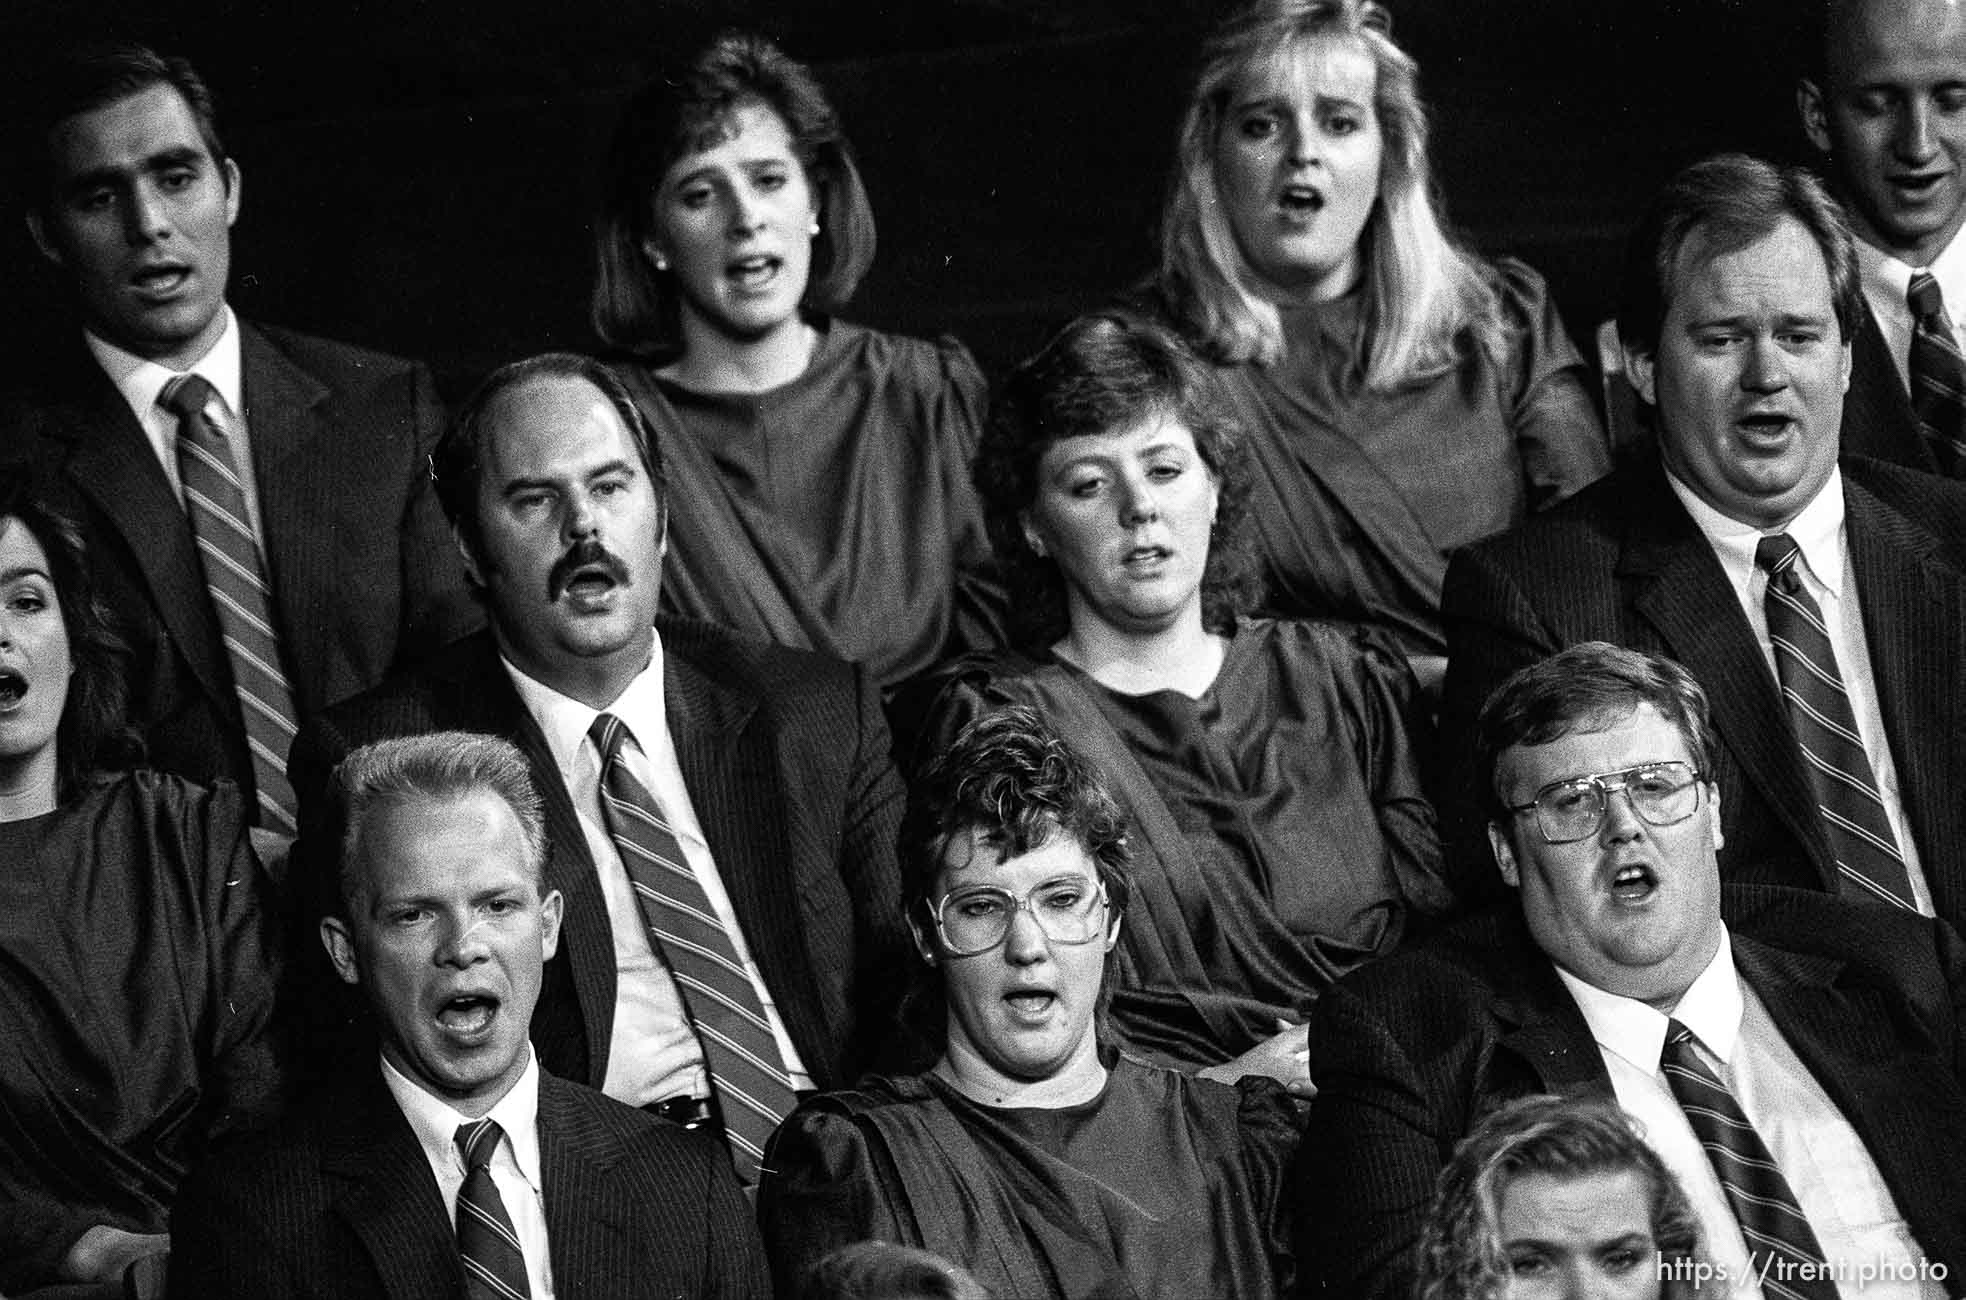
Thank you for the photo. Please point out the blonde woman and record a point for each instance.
(1405, 396)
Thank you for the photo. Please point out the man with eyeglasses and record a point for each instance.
(1795, 1059)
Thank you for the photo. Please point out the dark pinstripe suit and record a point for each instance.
(1877, 417)
(785, 757)
(1623, 562)
(1411, 1051)
(339, 1203)
(363, 571)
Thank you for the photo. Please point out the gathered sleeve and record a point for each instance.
(1559, 434)
(828, 1183)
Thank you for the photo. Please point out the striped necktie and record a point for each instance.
(1826, 730)
(1938, 376)
(754, 1092)
(1771, 1220)
(494, 1265)
(235, 577)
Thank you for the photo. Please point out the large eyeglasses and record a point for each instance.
(976, 919)
(1573, 809)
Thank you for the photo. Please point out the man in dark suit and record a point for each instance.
(1830, 1030)
(1881, 101)
(456, 1166)
(322, 447)
(767, 768)
(1739, 294)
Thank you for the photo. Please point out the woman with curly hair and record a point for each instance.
(1268, 765)
(137, 949)
(819, 491)
(1560, 1198)
(1404, 397)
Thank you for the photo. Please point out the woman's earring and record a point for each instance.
(1037, 546)
(661, 262)
(812, 227)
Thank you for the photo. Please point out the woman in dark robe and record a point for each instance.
(1269, 766)
(1047, 1165)
(136, 949)
(818, 471)
(1404, 396)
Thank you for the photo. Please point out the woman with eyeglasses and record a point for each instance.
(1047, 1164)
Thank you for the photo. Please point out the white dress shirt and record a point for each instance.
(141, 382)
(1835, 1181)
(1887, 282)
(653, 1053)
(515, 1166)
(1828, 577)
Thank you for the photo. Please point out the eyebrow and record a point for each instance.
(25, 571)
(163, 160)
(528, 482)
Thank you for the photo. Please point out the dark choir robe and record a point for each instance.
(833, 513)
(137, 977)
(1163, 1185)
(1279, 833)
(1358, 496)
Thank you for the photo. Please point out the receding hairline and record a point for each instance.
(381, 804)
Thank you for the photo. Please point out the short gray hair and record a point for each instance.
(440, 766)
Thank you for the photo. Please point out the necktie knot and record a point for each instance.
(1925, 299)
(186, 396)
(1776, 556)
(478, 1141)
(608, 733)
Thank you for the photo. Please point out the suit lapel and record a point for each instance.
(1683, 593)
(285, 420)
(589, 1221)
(382, 1188)
(1877, 416)
(1542, 1025)
(112, 464)
(1914, 612)
(734, 784)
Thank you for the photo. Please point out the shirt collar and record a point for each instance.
(1711, 1007)
(1888, 279)
(140, 379)
(566, 721)
(435, 1123)
(1817, 531)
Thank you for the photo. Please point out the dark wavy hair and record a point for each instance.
(94, 731)
(86, 77)
(634, 307)
(1103, 373)
(1010, 780)
(1461, 1255)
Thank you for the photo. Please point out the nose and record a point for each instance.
(746, 210)
(1621, 819)
(1916, 140)
(1024, 943)
(1138, 504)
(146, 217)
(582, 519)
(1766, 369)
(463, 943)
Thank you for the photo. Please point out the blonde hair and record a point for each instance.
(1424, 292)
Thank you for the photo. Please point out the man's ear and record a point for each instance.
(231, 170)
(1498, 840)
(470, 554)
(340, 944)
(38, 229)
(1815, 118)
(551, 911)
(1640, 370)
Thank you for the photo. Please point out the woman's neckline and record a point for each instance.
(727, 379)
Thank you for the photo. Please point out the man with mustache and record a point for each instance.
(454, 1165)
(722, 812)
(260, 520)
(1884, 102)
(1798, 1061)
(1821, 602)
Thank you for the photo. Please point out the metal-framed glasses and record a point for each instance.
(1573, 809)
(976, 919)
